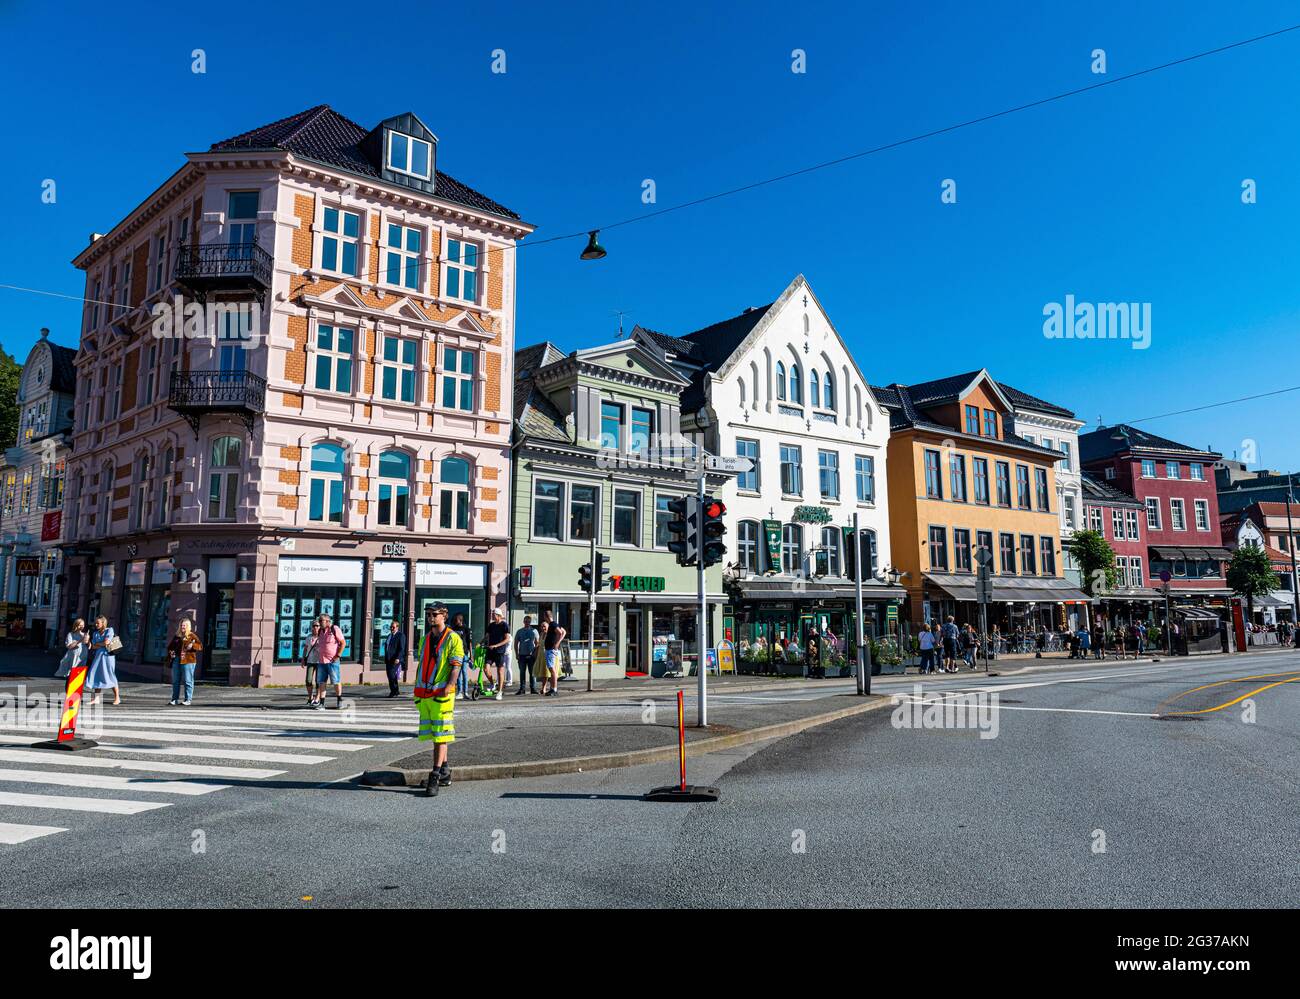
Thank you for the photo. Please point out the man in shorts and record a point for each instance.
(497, 640)
(442, 657)
(330, 648)
(551, 646)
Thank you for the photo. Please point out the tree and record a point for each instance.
(1251, 575)
(10, 377)
(1095, 559)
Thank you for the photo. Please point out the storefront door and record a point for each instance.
(635, 663)
(216, 633)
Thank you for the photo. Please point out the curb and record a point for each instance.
(631, 758)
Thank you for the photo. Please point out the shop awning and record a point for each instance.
(813, 589)
(1009, 589)
(1278, 598)
(1132, 593)
(1197, 613)
(1170, 553)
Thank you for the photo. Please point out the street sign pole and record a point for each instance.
(701, 630)
(591, 615)
(983, 591)
(864, 660)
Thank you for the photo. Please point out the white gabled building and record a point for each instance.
(778, 385)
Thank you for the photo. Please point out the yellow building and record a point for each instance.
(960, 479)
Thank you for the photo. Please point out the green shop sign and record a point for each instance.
(811, 515)
(772, 533)
(637, 584)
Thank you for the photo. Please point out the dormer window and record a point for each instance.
(409, 155)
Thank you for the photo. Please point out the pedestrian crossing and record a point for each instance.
(152, 757)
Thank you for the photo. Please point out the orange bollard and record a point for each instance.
(67, 738)
(681, 791)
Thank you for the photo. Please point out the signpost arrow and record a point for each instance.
(723, 463)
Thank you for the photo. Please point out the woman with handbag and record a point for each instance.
(183, 649)
(74, 644)
(104, 644)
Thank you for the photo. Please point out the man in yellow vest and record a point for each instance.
(441, 659)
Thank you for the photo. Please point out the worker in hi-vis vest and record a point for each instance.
(441, 658)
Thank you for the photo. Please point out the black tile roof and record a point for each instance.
(706, 350)
(1098, 492)
(1097, 444)
(671, 344)
(536, 415)
(324, 135)
(1023, 400)
(905, 410)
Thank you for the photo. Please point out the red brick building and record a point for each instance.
(1121, 520)
(1180, 523)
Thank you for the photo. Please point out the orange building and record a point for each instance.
(960, 479)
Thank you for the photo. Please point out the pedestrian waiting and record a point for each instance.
(183, 652)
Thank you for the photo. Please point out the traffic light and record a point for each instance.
(864, 551)
(684, 541)
(602, 572)
(712, 529)
(584, 578)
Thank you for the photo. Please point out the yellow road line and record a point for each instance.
(1224, 683)
(1237, 700)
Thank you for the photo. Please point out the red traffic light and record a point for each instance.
(714, 508)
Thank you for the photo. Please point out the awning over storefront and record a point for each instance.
(1009, 589)
(811, 589)
(1169, 553)
(1196, 613)
(1132, 593)
(1278, 598)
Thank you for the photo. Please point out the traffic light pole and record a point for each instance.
(701, 630)
(864, 662)
(591, 615)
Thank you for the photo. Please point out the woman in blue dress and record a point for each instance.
(103, 663)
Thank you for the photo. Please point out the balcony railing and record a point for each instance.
(221, 266)
(193, 393)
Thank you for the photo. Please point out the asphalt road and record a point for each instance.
(1199, 811)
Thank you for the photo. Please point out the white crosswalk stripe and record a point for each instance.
(147, 753)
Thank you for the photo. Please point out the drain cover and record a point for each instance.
(1178, 718)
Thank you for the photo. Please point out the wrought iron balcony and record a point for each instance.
(223, 267)
(193, 393)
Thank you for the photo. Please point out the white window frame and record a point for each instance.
(828, 470)
(228, 478)
(411, 140)
(399, 367)
(1117, 523)
(1201, 507)
(461, 269)
(797, 465)
(340, 239)
(395, 485)
(326, 479)
(407, 258)
(458, 379)
(869, 476)
(454, 493)
(1153, 507)
(1177, 512)
(747, 442)
(743, 545)
(1154, 470)
(334, 355)
(1132, 531)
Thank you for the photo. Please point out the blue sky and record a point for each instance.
(1132, 193)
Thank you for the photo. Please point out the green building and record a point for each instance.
(598, 452)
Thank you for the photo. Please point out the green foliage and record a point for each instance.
(1095, 559)
(10, 375)
(1250, 574)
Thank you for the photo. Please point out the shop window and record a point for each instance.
(453, 503)
(325, 504)
(394, 488)
(225, 469)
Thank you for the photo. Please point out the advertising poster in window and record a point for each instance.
(326, 607)
(286, 608)
(345, 608)
(286, 649)
(308, 607)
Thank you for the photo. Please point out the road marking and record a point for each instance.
(13, 833)
(106, 783)
(268, 726)
(154, 766)
(198, 752)
(1223, 683)
(1235, 700)
(158, 736)
(1068, 711)
(109, 806)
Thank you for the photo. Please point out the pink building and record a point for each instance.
(330, 436)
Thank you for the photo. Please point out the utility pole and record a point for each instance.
(591, 615)
(701, 630)
(1290, 537)
(864, 656)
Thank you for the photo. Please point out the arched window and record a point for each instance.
(828, 391)
(796, 384)
(814, 389)
(780, 380)
(141, 492)
(325, 497)
(394, 488)
(747, 536)
(225, 469)
(453, 510)
(792, 549)
(828, 559)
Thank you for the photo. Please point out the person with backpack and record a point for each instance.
(329, 647)
(526, 639)
(926, 643)
(950, 636)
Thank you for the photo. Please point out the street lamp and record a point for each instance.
(594, 250)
